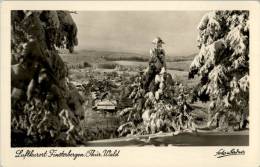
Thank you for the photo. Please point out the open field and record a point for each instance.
(94, 56)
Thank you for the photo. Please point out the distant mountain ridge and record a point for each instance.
(97, 56)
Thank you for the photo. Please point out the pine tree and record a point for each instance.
(223, 65)
(46, 107)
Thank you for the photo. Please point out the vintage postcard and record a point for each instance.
(139, 83)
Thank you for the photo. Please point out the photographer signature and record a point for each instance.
(224, 153)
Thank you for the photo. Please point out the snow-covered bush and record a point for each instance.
(164, 110)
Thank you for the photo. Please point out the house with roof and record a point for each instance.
(105, 105)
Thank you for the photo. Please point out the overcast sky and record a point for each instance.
(133, 31)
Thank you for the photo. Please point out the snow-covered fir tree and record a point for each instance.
(223, 66)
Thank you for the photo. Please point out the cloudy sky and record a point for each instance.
(133, 31)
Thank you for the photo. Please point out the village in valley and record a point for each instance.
(108, 93)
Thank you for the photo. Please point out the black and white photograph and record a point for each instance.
(133, 83)
(129, 78)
